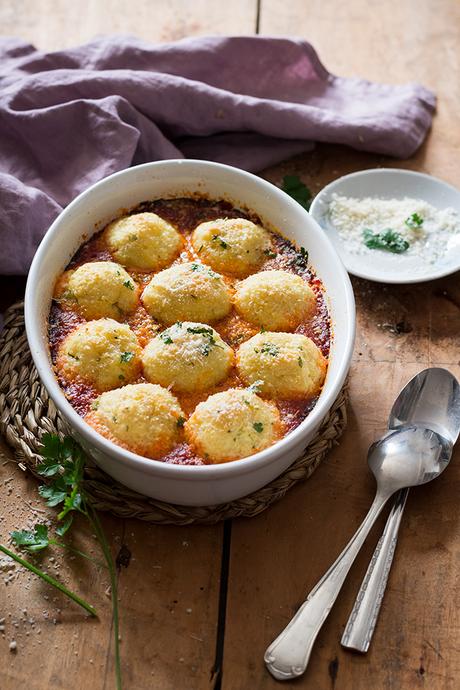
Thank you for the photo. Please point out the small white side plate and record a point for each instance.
(389, 183)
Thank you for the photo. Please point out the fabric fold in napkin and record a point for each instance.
(70, 118)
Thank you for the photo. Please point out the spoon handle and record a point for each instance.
(287, 657)
(363, 617)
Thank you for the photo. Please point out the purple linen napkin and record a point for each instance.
(70, 118)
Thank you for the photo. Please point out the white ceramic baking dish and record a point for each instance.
(89, 212)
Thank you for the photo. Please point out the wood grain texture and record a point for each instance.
(169, 592)
(56, 24)
(168, 603)
(278, 558)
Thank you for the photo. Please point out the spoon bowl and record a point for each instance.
(431, 402)
(408, 456)
(431, 399)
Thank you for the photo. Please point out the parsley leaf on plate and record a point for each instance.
(388, 240)
(414, 221)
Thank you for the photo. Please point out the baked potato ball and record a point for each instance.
(143, 241)
(145, 418)
(232, 425)
(99, 289)
(103, 353)
(188, 291)
(232, 245)
(275, 300)
(187, 357)
(286, 365)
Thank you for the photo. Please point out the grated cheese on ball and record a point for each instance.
(285, 365)
(147, 419)
(232, 425)
(99, 289)
(187, 357)
(188, 291)
(104, 353)
(143, 241)
(275, 300)
(232, 245)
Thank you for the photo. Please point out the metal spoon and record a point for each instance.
(407, 456)
(432, 400)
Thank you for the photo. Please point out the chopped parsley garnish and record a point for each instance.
(166, 338)
(206, 333)
(126, 357)
(300, 361)
(63, 464)
(255, 387)
(202, 330)
(389, 240)
(301, 258)
(204, 269)
(414, 221)
(222, 242)
(258, 426)
(128, 284)
(270, 349)
(293, 185)
(269, 254)
(121, 377)
(180, 422)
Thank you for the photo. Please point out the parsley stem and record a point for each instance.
(95, 522)
(77, 551)
(50, 580)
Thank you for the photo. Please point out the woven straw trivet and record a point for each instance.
(26, 412)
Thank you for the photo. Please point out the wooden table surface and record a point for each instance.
(200, 604)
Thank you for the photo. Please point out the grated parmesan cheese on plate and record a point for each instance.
(439, 232)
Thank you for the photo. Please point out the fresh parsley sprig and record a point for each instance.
(63, 464)
(293, 185)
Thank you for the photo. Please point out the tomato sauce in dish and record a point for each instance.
(185, 214)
